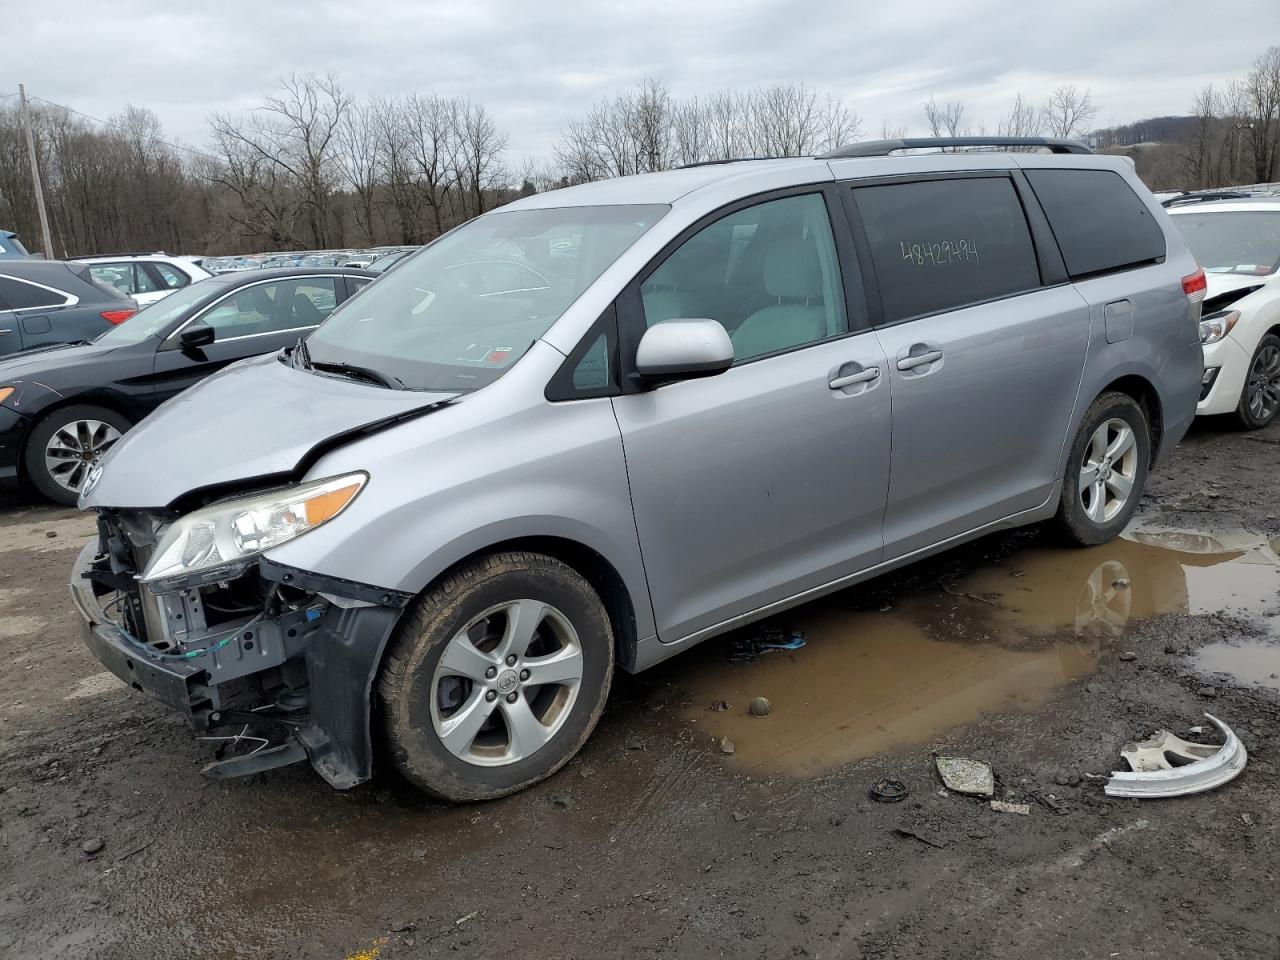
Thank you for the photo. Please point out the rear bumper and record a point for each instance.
(13, 435)
(1180, 380)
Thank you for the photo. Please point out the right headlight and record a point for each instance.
(1217, 325)
(218, 539)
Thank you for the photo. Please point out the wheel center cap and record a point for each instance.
(508, 680)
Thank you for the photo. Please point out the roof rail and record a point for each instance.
(882, 148)
(714, 163)
(1187, 198)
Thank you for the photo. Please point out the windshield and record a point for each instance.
(458, 315)
(151, 320)
(1247, 242)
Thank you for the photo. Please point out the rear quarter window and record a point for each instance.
(944, 244)
(20, 295)
(1100, 224)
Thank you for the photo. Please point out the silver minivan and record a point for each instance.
(599, 425)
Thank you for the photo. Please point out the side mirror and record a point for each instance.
(197, 335)
(683, 350)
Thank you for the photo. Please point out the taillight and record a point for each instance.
(117, 316)
(1194, 286)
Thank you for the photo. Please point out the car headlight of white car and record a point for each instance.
(221, 537)
(1217, 325)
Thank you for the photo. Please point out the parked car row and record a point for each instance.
(312, 258)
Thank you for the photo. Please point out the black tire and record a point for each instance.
(406, 684)
(46, 427)
(1073, 521)
(1268, 354)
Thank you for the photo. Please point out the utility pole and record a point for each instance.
(35, 172)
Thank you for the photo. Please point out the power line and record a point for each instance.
(117, 126)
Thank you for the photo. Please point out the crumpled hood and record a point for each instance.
(257, 418)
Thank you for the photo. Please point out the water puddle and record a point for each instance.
(1249, 662)
(1001, 638)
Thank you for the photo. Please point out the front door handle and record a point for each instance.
(919, 360)
(864, 376)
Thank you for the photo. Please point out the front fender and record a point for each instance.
(445, 487)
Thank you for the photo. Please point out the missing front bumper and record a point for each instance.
(332, 652)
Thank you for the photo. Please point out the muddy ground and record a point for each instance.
(657, 843)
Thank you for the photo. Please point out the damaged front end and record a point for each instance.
(281, 660)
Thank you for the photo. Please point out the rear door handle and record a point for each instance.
(864, 376)
(919, 360)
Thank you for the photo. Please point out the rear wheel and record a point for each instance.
(496, 677)
(65, 444)
(1260, 401)
(1106, 471)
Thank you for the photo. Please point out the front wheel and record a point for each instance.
(1260, 400)
(65, 444)
(496, 677)
(1106, 471)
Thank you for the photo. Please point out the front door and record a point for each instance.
(252, 320)
(752, 487)
(985, 359)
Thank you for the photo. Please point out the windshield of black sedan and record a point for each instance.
(153, 320)
(460, 313)
(1244, 242)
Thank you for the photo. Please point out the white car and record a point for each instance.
(1238, 244)
(147, 277)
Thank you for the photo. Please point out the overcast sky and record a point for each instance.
(536, 64)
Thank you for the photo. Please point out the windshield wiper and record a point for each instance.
(358, 373)
(300, 355)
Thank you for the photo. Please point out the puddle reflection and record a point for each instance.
(1002, 638)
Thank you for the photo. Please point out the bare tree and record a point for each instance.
(944, 119)
(358, 160)
(647, 129)
(1262, 90)
(890, 131)
(480, 149)
(1022, 120)
(1067, 111)
(294, 133)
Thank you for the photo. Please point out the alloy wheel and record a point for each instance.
(74, 448)
(1262, 393)
(1108, 471)
(506, 683)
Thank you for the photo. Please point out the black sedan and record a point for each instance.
(62, 407)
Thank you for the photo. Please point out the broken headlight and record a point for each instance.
(226, 534)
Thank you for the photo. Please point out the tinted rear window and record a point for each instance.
(19, 295)
(943, 244)
(1098, 220)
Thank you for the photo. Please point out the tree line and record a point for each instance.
(313, 167)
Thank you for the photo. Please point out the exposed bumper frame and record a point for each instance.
(342, 658)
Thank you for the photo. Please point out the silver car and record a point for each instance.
(602, 424)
